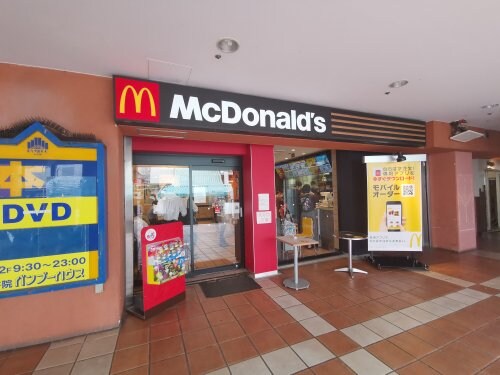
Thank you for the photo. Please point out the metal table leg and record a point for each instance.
(350, 269)
(295, 282)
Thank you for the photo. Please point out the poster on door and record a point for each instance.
(166, 260)
(394, 206)
(163, 276)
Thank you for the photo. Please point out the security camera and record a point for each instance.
(458, 126)
(399, 157)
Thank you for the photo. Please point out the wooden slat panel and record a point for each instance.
(358, 127)
(418, 136)
(363, 137)
(378, 119)
(388, 126)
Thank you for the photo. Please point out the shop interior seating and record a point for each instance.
(308, 231)
(289, 229)
(288, 250)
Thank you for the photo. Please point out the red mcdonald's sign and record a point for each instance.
(137, 100)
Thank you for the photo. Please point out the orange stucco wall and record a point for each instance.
(82, 104)
(438, 139)
(452, 211)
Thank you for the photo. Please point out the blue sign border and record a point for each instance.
(101, 199)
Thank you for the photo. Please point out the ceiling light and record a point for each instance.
(489, 106)
(293, 150)
(286, 158)
(228, 45)
(460, 132)
(398, 84)
(467, 135)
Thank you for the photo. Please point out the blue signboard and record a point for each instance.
(52, 213)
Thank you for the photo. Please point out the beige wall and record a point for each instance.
(80, 103)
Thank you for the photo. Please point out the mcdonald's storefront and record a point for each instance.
(178, 153)
(167, 125)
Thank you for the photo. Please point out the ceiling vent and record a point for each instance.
(460, 133)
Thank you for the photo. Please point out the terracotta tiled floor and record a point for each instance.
(446, 321)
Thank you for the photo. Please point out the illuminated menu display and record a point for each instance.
(313, 165)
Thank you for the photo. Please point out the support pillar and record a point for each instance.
(260, 239)
(452, 211)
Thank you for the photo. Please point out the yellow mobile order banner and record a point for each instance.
(394, 206)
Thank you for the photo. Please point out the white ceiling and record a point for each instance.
(334, 53)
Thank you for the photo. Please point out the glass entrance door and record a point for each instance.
(217, 229)
(493, 200)
(205, 198)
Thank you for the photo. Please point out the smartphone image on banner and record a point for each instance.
(394, 214)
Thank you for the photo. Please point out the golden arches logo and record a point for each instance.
(417, 238)
(137, 99)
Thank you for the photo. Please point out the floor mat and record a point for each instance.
(223, 287)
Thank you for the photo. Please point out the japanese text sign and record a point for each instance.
(394, 206)
(52, 213)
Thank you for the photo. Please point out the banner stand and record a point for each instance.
(394, 196)
(163, 270)
(398, 261)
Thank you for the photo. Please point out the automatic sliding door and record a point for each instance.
(216, 234)
(160, 196)
(205, 198)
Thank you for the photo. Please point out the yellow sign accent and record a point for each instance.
(26, 273)
(391, 185)
(394, 206)
(51, 151)
(137, 99)
(47, 212)
(151, 276)
(93, 264)
(417, 238)
(16, 177)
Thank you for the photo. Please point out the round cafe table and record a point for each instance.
(295, 282)
(351, 236)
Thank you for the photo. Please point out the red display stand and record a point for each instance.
(163, 270)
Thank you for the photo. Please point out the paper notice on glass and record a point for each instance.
(264, 217)
(263, 202)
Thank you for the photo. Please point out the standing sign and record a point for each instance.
(164, 268)
(394, 206)
(52, 213)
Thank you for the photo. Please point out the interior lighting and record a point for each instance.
(489, 106)
(227, 45)
(398, 84)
